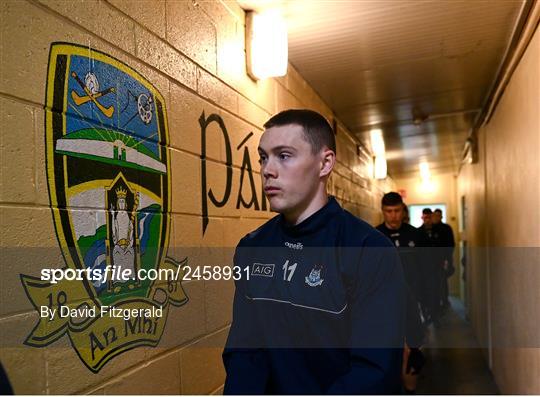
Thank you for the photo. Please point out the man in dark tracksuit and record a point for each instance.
(448, 243)
(408, 241)
(323, 309)
(434, 268)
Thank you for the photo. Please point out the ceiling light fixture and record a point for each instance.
(426, 183)
(266, 44)
(425, 173)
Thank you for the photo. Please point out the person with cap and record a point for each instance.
(322, 311)
(408, 241)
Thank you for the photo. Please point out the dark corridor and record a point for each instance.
(460, 370)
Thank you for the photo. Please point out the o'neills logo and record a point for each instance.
(294, 246)
(109, 186)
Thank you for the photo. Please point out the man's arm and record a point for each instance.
(245, 362)
(377, 304)
(451, 241)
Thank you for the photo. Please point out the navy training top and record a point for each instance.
(410, 243)
(322, 312)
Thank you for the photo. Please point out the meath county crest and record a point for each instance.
(109, 186)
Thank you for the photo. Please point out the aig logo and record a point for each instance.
(263, 269)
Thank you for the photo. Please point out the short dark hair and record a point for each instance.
(427, 211)
(438, 210)
(391, 198)
(317, 130)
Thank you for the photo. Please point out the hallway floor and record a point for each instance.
(455, 370)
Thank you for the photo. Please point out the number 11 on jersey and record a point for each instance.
(290, 269)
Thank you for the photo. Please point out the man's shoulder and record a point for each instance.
(422, 231)
(359, 233)
(261, 234)
(446, 226)
(407, 227)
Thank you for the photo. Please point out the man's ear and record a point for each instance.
(328, 158)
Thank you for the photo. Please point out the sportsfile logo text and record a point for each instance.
(114, 273)
(118, 273)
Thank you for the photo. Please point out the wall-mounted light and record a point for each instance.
(377, 142)
(379, 167)
(379, 150)
(266, 44)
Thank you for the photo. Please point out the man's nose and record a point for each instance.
(269, 169)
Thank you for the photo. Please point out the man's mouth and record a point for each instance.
(271, 189)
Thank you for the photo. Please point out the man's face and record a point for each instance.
(427, 219)
(290, 171)
(436, 217)
(393, 215)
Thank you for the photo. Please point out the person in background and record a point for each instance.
(432, 269)
(406, 217)
(446, 236)
(407, 239)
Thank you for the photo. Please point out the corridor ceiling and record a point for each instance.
(421, 71)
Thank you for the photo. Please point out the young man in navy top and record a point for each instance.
(408, 241)
(447, 245)
(323, 309)
(434, 270)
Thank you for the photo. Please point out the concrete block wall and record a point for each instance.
(193, 52)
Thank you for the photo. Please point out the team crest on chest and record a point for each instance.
(314, 279)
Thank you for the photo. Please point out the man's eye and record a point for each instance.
(262, 159)
(284, 156)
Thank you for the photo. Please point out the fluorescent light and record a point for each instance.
(266, 46)
(379, 167)
(425, 173)
(377, 142)
(427, 187)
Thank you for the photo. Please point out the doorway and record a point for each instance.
(415, 212)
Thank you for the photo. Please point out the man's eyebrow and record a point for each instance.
(277, 148)
(283, 147)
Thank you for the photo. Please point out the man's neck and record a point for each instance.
(298, 216)
(392, 228)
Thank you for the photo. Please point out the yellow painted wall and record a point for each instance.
(503, 194)
(472, 186)
(194, 54)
